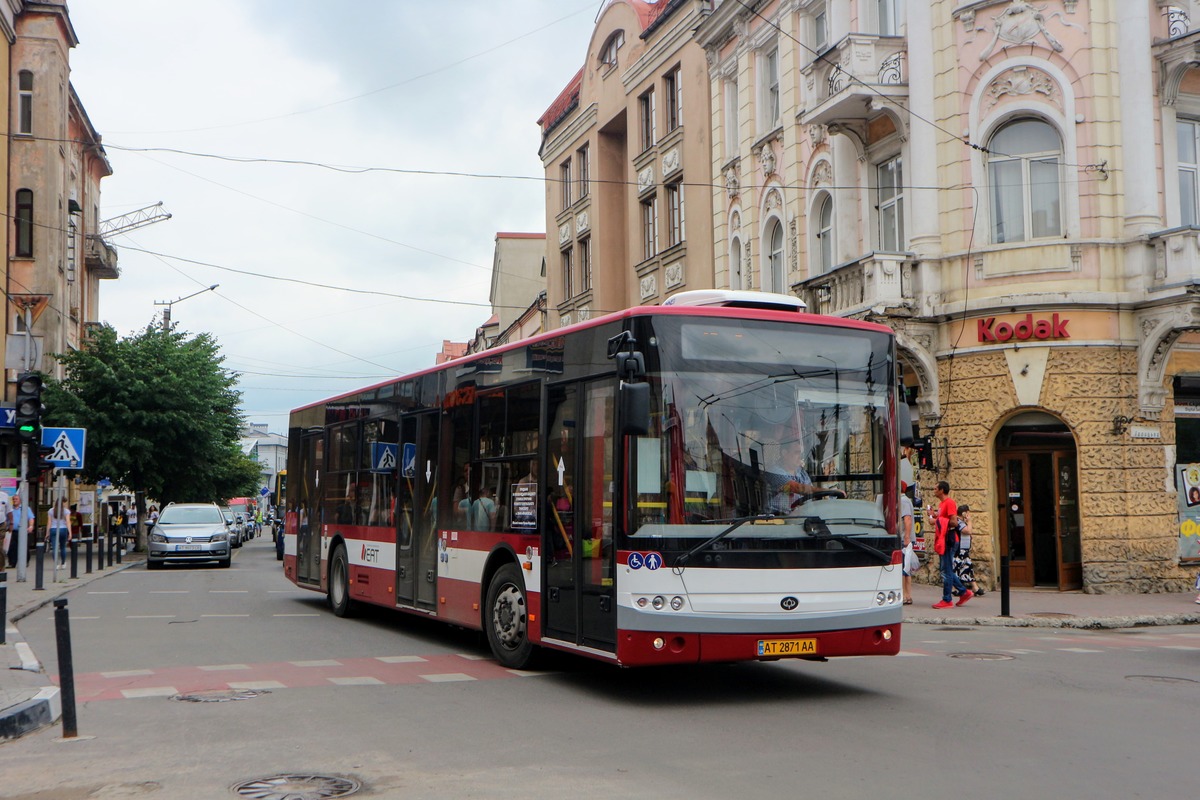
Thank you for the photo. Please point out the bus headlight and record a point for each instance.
(676, 603)
(658, 602)
(641, 602)
(880, 598)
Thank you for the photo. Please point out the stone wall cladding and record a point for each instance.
(1129, 525)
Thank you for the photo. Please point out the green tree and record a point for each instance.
(161, 414)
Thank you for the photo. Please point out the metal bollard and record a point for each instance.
(111, 539)
(120, 548)
(74, 558)
(3, 605)
(39, 562)
(1004, 609)
(100, 553)
(87, 557)
(66, 669)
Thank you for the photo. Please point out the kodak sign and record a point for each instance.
(988, 330)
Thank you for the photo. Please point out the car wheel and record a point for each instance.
(225, 562)
(339, 583)
(506, 618)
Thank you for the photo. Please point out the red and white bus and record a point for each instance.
(713, 479)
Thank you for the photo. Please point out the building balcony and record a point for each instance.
(101, 258)
(877, 282)
(1176, 264)
(846, 83)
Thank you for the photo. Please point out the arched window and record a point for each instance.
(735, 264)
(1023, 162)
(608, 53)
(774, 279)
(824, 248)
(24, 220)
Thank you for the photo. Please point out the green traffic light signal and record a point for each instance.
(27, 417)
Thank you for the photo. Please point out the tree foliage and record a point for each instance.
(161, 414)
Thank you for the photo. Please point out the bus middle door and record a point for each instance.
(416, 509)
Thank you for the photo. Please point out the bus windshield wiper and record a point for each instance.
(819, 529)
(733, 524)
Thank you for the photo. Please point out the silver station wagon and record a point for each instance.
(190, 532)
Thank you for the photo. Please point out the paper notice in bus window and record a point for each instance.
(524, 506)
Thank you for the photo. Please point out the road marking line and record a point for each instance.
(228, 591)
(149, 616)
(522, 673)
(1176, 647)
(473, 657)
(123, 592)
(447, 677)
(400, 659)
(73, 618)
(325, 663)
(150, 691)
(127, 673)
(256, 685)
(168, 591)
(363, 681)
(219, 667)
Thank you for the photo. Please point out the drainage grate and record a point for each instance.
(983, 656)
(297, 787)
(1159, 679)
(219, 695)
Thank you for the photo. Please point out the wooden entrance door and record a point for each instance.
(1038, 501)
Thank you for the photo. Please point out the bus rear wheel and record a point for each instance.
(339, 583)
(506, 618)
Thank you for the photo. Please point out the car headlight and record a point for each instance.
(220, 536)
(158, 537)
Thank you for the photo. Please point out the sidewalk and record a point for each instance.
(29, 700)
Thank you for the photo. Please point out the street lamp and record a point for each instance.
(169, 303)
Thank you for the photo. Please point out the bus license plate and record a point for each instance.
(787, 647)
(197, 547)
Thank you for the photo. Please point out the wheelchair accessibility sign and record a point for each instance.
(650, 561)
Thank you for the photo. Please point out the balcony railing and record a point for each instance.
(101, 257)
(876, 281)
(861, 67)
(1176, 263)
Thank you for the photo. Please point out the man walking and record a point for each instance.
(946, 543)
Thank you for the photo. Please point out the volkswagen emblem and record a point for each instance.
(789, 603)
(188, 540)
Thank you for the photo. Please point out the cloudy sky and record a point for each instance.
(189, 95)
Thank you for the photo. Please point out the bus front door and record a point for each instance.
(416, 512)
(579, 604)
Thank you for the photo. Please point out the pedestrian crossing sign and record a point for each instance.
(66, 446)
(383, 457)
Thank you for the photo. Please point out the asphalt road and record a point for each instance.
(414, 709)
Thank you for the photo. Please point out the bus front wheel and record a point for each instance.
(506, 618)
(339, 583)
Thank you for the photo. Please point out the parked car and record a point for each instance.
(236, 531)
(190, 532)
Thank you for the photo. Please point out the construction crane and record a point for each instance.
(134, 219)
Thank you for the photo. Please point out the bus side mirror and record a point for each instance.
(904, 423)
(634, 402)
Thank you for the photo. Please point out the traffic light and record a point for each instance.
(28, 412)
(924, 448)
(42, 464)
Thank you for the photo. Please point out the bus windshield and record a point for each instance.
(773, 432)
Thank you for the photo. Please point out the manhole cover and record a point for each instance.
(1051, 615)
(297, 787)
(982, 656)
(1159, 679)
(219, 695)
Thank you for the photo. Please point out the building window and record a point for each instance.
(24, 220)
(568, 275)
(732, 125)
(581, 157)
(674, 93)
(585, 265)
(650, 227)
(1188, 135)
(646, 119)
(674, 214)
(820, 29)
(891, 206)
(824, 248)
(1023, 170)
(769, 89)
(564, 181)
(888, 16)
(735, 264)
(774, 279)
(608, 53)
(25, 102)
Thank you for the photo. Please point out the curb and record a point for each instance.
(1082, 623)
(44, 709)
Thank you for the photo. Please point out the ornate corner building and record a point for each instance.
(1013, 187)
